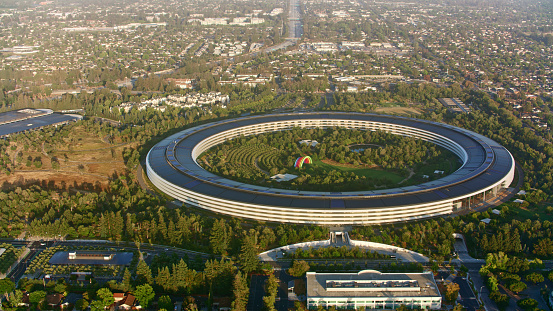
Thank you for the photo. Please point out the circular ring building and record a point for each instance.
(487, 168)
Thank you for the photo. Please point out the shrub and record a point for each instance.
(517, 287)
(298, 268)
(527, 303)
(500, 299)
(535, 277)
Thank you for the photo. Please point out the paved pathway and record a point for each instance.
(141, 181)
(462, 251)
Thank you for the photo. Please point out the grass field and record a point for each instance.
(367, 172)
(532, 213)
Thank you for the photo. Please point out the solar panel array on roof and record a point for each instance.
(483, 154)
(35, 123)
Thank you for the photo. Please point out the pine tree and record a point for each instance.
(248, 256)
(127, 279)
(162, 227)
(219, 275)
(129, 227)
(143, 273)
(103, 226)
(219, 238)
(163, 278)
(118, 226)
(240, 291)
(183, 278)
(174, 236)
(271, 291)
(184, 229)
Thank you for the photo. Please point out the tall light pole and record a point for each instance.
(480, 292)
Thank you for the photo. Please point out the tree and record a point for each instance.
(165, 302)
(240, 292)
(500, 299)
(550, 276)
(81, 304)
(298, 269)
(163, 278)
(189, 304)
(451, 291)
(517, 287)
(143, 273)
(183, 278)
(544, 247)
(6, 286)
(145, 294)
(105, 296)
(127, 279)
(459, 307)
(527, 303)
(15, 298)
(222, 272)
(37, 297)
(219, 238)
(248, 256)
(298, 306)
(535, 277)
(97, 305)
(492, 283)
(271, 290)
(60, 288)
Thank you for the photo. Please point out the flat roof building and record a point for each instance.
(172, 166)
(373, 290)
(92, 258)
(454, 105)
(17, 122)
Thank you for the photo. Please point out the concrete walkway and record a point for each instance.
(462, 251)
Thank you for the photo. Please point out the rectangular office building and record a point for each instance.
(373, 290)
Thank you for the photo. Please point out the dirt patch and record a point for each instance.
(93, 168)
(83, 160)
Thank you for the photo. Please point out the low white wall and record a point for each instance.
(374, 245)
(293, 247)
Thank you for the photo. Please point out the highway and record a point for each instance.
(295, 27)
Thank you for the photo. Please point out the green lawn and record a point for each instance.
(532, 213)
(367, 172)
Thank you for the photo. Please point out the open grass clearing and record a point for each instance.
(374, 173)
(532, 213)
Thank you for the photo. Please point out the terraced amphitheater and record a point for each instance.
(487, 168)
(254, 160)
